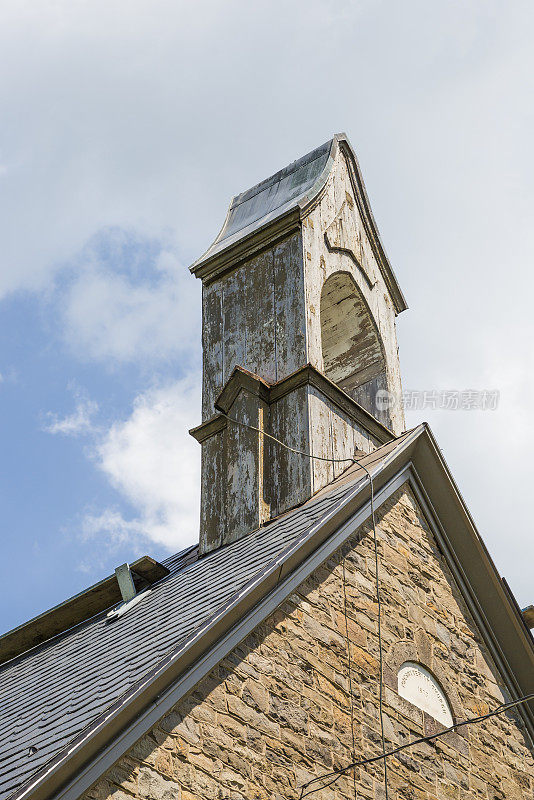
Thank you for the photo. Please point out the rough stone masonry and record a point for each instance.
(276, 712)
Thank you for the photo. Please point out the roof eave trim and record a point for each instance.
(508, 640)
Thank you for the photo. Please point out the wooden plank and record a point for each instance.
(242, 469)
(260, 317)
(234, 321)
(289, 306)
(342, 440)
(213, 497)
(362, 440)
(290, 474)
(314, 274)
(320, 438)
(212, 347)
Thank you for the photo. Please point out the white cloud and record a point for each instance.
(111, 118)
(76, 424)
(154, 464)
(114, 527)
(127, 298)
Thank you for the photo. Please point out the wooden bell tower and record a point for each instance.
(299, 341)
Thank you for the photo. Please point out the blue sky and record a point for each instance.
(127, 128)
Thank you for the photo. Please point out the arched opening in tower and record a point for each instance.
(353, 355)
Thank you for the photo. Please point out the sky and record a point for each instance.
(127, 127)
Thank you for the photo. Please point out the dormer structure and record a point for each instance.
(299, 341)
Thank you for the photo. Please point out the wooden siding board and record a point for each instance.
(289, 306)
(212, 347)
(242, 507)
(320, 438)
(290, 472)
(213, 515)
(260, 322)
(234, 311)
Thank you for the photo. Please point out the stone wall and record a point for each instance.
(276, 712)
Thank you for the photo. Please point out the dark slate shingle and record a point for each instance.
(49, 694)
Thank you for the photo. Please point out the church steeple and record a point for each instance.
(299, 306)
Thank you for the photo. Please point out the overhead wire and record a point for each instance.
(283, 444)
(380, 648)
(377, 580)
(349, 669)
(336, 774)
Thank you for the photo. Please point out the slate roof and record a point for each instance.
(51, 693)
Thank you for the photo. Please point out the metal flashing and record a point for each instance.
(269, 200)
(126, 582)
(124, 607)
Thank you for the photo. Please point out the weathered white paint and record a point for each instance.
(253, 317)
(313, 293)
(418, 686)
(335, 242)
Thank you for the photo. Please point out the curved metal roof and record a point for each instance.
(292, 186)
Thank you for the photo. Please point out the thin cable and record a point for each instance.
(350, 674)
(377, 578)
(380, 649)
(283, 444)
(474, 720)
(335, 775)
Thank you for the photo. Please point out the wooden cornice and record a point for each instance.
(243, 380)
(244, 249)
